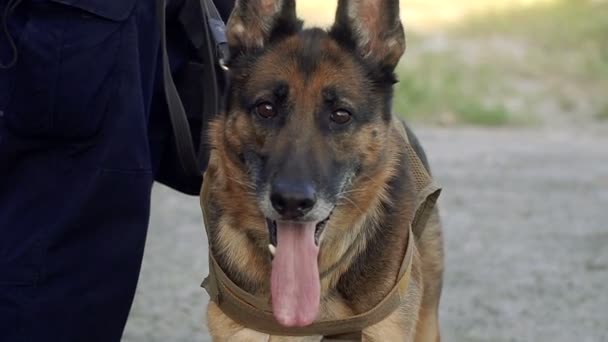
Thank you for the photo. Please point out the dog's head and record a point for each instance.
(308, 114)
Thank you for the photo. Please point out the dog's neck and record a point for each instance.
(360, 254)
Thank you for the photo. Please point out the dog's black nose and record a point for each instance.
(292, 200)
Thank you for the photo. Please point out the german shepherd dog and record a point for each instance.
(307, 158)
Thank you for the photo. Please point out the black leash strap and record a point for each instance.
(10, 7)
(213, 44)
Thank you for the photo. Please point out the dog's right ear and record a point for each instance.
(373, 29)
(254, 23)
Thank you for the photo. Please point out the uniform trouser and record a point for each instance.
(82, 133)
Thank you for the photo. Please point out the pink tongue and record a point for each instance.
(295, 283)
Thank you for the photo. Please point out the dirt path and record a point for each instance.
(526, 225)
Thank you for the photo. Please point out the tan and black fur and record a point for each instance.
(358, 168)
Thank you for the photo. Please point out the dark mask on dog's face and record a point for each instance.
(308, 115)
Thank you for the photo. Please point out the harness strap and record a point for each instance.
(427, 190)
(255, 313)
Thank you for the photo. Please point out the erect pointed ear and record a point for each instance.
(253, 23)
(373, 28)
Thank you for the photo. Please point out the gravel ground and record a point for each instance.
(526, 224)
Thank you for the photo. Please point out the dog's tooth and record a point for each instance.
(272, 249)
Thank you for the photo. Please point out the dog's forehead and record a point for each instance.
(309, 63)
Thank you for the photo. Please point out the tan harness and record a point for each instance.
(256, 313)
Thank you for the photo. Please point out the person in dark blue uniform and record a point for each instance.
(84, 133)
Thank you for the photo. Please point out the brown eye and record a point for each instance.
(265, 110)
(341, 117)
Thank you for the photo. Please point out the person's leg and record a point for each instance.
(75, 170)
(79, 145)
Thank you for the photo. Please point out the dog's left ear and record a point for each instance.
(373, 28)
(254, 23)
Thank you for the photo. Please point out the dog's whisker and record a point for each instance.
(353, 203)
(352, 191)
(240, 182)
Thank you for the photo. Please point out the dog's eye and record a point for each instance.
(341, 116)
(266, 110)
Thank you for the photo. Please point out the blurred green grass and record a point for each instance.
(603, 114)
(500, 62)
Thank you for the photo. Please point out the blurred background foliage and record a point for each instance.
(498, 62)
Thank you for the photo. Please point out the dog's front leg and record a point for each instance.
(294, 339)
(399, 326)
(223, 329)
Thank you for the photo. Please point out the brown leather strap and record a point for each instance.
(254, 313)
(427, 190)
